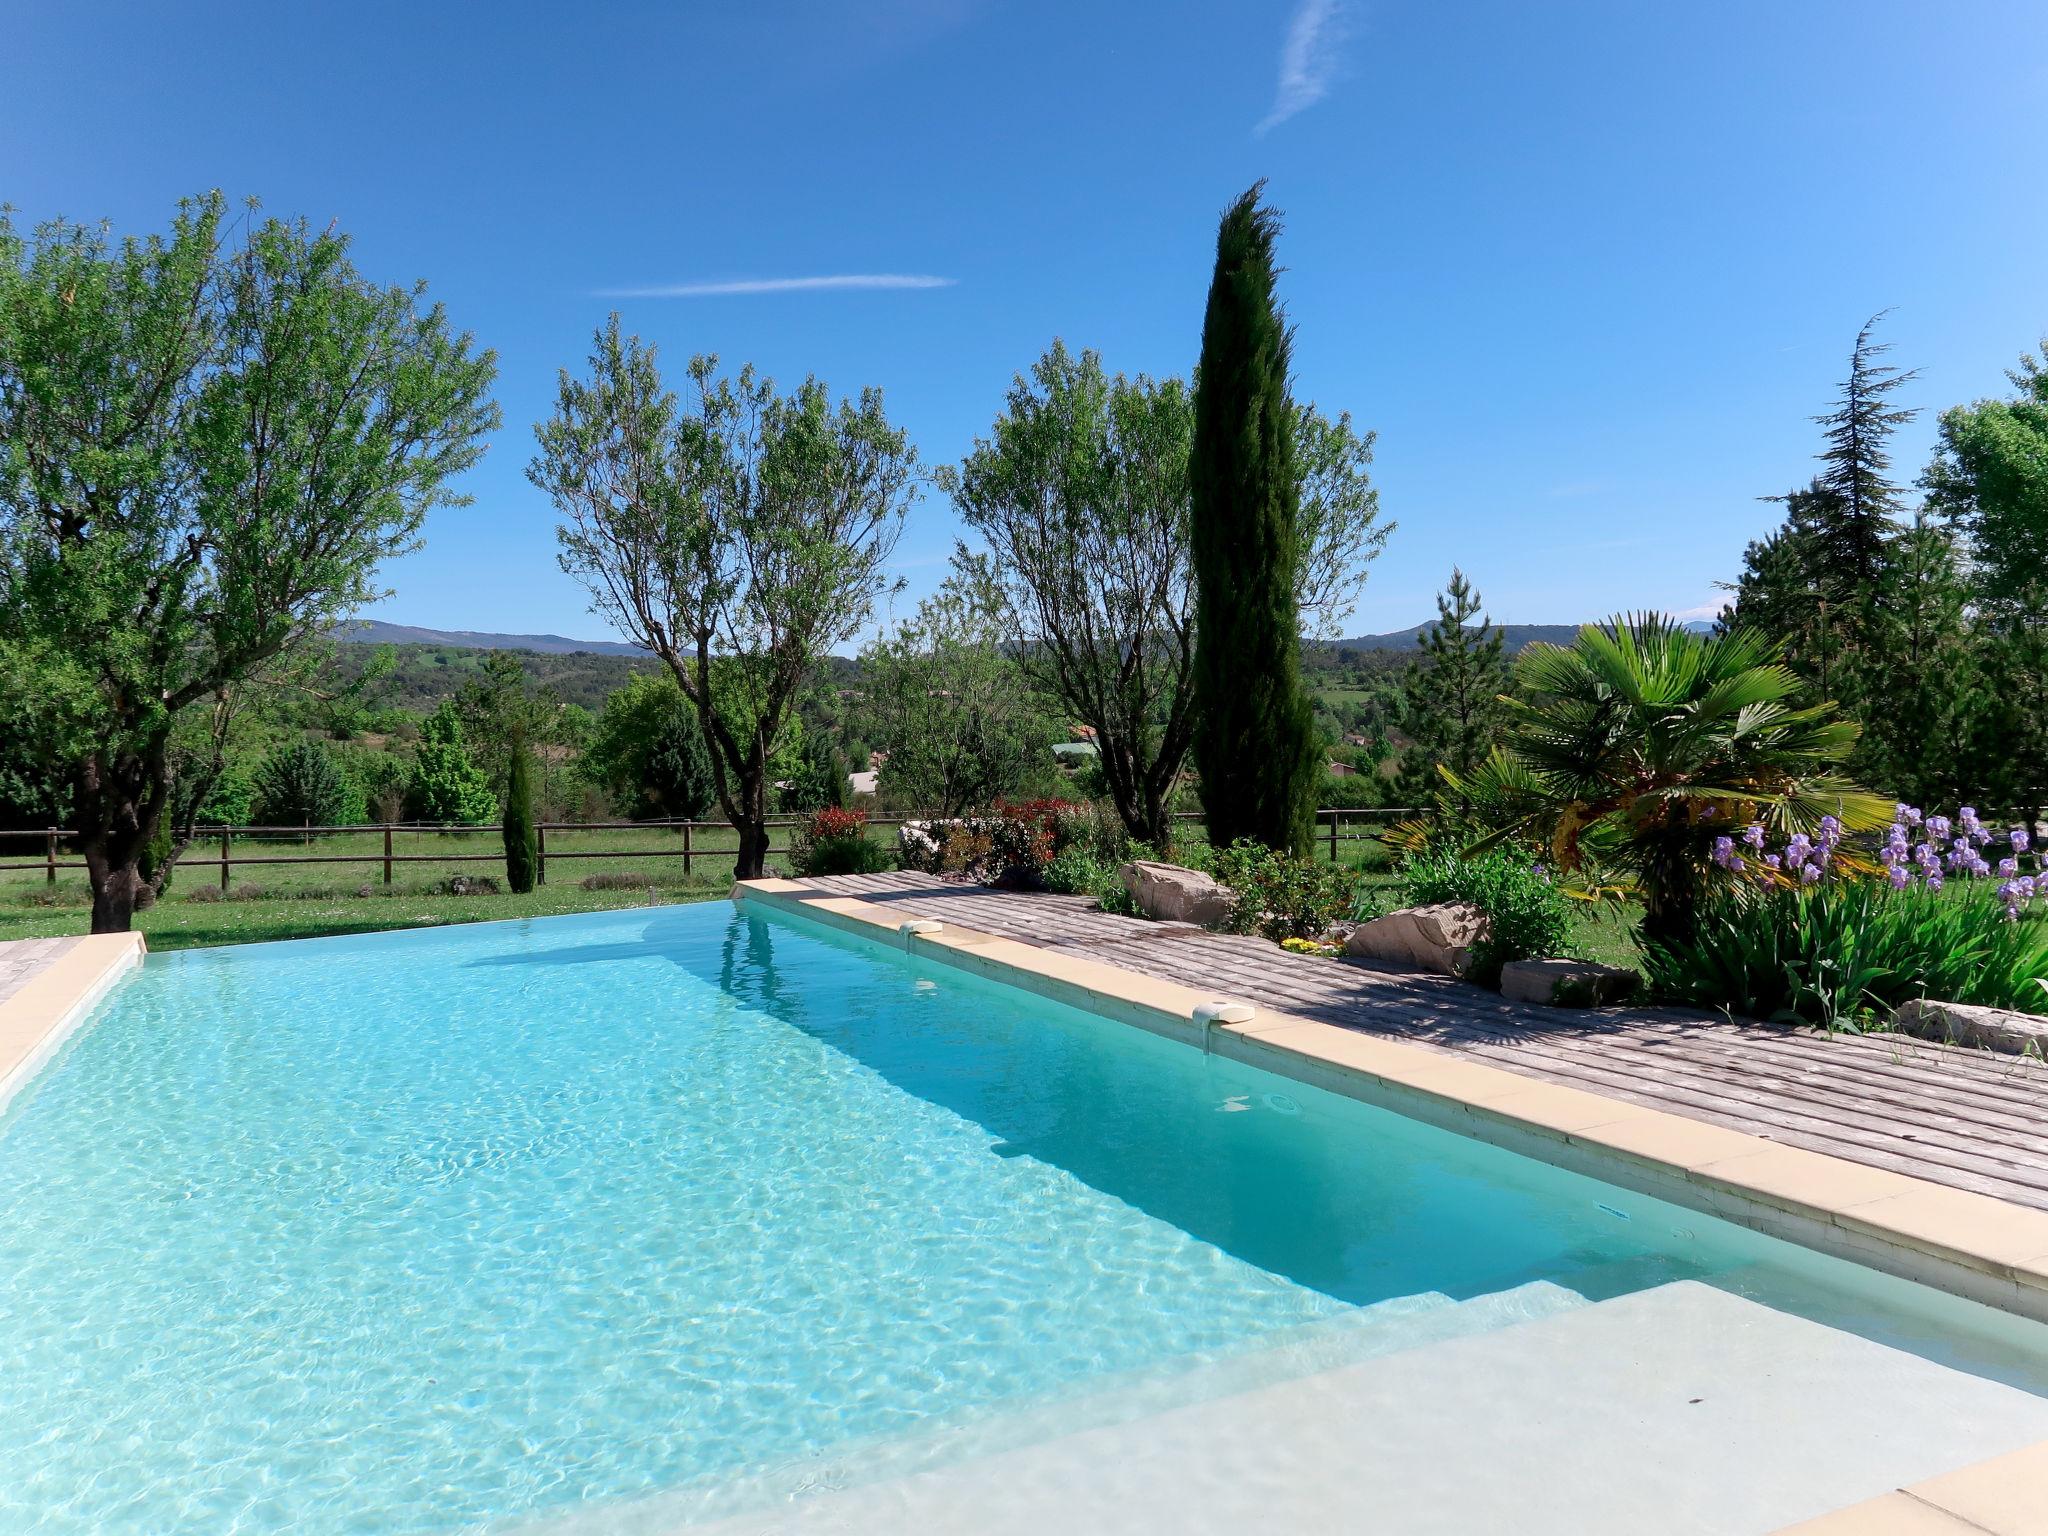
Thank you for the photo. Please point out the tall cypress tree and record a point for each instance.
(1255, 737)
(519, 831)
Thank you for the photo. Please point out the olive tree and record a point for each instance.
(207, 449)
(1081, 497)
(739, 534)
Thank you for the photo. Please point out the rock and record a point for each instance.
(1567, 983)
(1990, 1029)
(1171, 894)
(1435, 938)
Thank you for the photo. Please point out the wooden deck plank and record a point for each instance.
(1969, 1119)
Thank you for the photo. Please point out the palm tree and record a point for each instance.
(1639, 743)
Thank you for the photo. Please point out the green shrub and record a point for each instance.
(835, 842)
(1842, 955)
(1282, 895)
(1112, 895)
(1074, 872)
(1528, 917)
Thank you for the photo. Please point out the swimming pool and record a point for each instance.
(463, 1228)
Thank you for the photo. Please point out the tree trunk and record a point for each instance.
(1158, 824)
(753, 856)
(114, 889)
(118, 805)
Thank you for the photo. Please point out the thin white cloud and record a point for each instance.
(836, 282)
(1308, 60)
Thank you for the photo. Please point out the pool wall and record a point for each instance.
(1966, 1244)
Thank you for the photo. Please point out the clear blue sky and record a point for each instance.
(1587, 268)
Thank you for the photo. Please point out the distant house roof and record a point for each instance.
(863, 783)
(1076, 749)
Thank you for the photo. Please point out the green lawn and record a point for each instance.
(177, 924)
(345, 892)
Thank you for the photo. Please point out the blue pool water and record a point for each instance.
(454, 1229)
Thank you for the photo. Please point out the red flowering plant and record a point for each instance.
(835, 842)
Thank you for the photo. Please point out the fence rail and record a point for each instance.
(222, 853)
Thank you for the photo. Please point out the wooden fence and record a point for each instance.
(217, 847)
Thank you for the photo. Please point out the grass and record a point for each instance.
(303, 899)
(175, 924)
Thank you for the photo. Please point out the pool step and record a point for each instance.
(1343, 1339)
(1681, 1409)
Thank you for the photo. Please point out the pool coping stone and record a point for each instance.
(41, 1014)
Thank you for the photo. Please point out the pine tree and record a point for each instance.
(1922, 663)
(1780, 593)
(1451, 708)
(1255, 742)
(1859, 514)
(520, 838)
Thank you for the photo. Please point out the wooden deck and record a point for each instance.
(1970, 1119)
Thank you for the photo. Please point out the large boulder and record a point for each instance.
(1567, 983)
(1991, 1029)
(1433, 938)
(1171, 894)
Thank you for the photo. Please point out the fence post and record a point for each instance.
(50, 855)
(1333, 837)
(224, 834)
(686, 850)
(540, 853)
(387, 853)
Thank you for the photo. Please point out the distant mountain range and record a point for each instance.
(1514, 636)
(377, 632)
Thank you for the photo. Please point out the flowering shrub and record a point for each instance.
(1842, 954)
(835, 842)
(1818, 931)
(1013, 844)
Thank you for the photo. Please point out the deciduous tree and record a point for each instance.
(1080, 496)
(206, 451)
(739, 536)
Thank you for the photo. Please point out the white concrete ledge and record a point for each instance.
(42, 1013)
